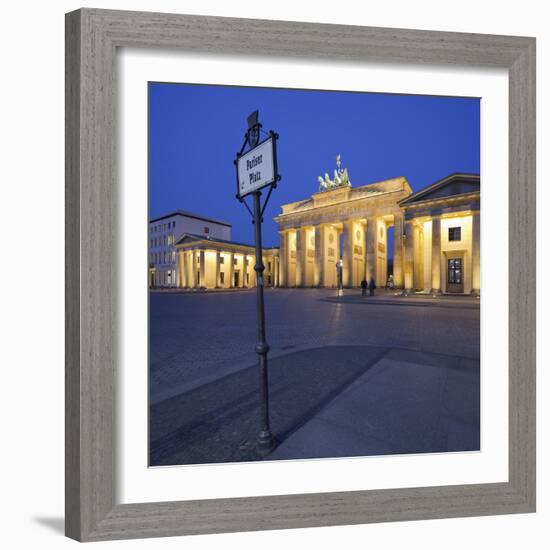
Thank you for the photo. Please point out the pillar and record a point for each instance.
(181, 269)
(242, 278)
(370, 259)
(408, 262)
(202, 269)
(218, 284)
(319, 265)
(347, 253)
(476, 266)
(301, 247)
(194, 261)
(252, 272)
(231, 270)
(418, 258)
(436, 255)
(283, 258)
(398, 250)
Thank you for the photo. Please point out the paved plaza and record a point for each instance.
(349, 376)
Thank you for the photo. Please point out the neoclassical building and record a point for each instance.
(208, 262)
(436, 244)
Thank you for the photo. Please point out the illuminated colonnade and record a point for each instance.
(214, 263)
(436, 245)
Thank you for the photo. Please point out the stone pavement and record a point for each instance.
(408, 402)
(345, 380)
(326, 402)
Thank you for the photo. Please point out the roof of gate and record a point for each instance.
(345, 194)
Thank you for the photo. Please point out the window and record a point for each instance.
(454, 271)
(222, 260)
(454, 233)
(222, 277)
(206, 230)
(173, 224)
(235, 262)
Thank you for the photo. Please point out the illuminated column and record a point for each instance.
(347, 253)
(398, 250)
(231, 270)
(371, 242)
(202, 269)
(409, 258)
(300, 256)
(283, 258)
(476, 267)
(252, 273)
(319, 264)
(181, 269)
(218, 269)
(436, 255)
(417, 277)
(243, 271)
(194, 277)
(274, 270)
(186, 269)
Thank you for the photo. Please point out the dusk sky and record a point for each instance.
(196, 131)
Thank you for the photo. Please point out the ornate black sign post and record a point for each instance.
(256, 170)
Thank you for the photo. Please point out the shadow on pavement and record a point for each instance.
(326, 402)
(218, 422)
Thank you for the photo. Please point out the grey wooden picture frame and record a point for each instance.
(92, 39)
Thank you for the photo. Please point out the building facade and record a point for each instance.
(207, 262)
(436, 244)
(165, 231)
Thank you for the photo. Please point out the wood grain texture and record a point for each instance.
(92, 37)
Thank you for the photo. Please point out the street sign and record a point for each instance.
(257, 168)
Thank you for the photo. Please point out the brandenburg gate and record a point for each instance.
(346, 223)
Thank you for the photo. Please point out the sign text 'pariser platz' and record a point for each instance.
(256, 168)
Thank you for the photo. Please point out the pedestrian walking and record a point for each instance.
(364, 286)
(372, 286)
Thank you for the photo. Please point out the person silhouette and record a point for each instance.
(372, 286)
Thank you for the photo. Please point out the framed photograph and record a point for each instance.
(293, 259)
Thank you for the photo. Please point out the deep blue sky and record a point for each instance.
(195, 132)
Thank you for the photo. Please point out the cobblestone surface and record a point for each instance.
(351, 376)
(196, 337)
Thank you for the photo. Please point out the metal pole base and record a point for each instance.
(265, 443)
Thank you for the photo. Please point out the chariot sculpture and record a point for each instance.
(341, 178)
